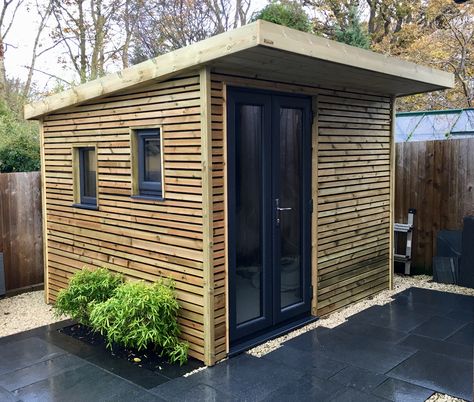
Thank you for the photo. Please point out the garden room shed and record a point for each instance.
(254, 168)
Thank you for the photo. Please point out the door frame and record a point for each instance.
(290, 313)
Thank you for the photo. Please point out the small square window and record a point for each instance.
(149, 163)
(87, 177)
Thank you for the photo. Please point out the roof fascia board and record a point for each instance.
(291, 40)
(164, 67)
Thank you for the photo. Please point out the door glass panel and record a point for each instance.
(290, 195)
(248, 220)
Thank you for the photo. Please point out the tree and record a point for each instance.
(19, 142)
(86, 30)
(352, 32)
(6, 22)
(165, 25)
(285, 12)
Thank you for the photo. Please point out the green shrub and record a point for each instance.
(139, 316)
(86, 288)
(285, 12)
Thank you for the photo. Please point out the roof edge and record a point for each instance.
(164, 67)
(306, 44)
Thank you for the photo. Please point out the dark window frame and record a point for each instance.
(153, 189)
(83, 199)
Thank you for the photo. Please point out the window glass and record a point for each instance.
(149, 162)
(87, 167)
(152, 169)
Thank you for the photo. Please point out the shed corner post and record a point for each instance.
(314, 197)
(393, 107)
(207, 215)
(44, 213)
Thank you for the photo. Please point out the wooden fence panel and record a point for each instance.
(436, 178)
(21, 238)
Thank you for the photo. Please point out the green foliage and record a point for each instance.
(19, 143)
(288, 13)
(85, 289)
(139, 315)
(353, 33)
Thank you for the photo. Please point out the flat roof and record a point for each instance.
(268, 51)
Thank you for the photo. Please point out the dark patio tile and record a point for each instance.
(26, 352)
(6, 396)
(247, 377)
(355, 377)
(354, 395)
(352, 349)
(462, 315)
(306, 389)
(438, 299)
(178, 386)
(464, 336)
(401, 391)
(372, 331)
(411, 304)
(393, 316)
(83, 384)
(39, 371)
(447, 375)
(201, 392)
(455, 350)
(310, 361)
(438, 327)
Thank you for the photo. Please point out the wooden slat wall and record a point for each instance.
(353, 176)
(21, 237)
(140, 238)
(219, 203)
(437, 179)
(354, 197)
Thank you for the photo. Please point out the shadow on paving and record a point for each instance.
(419, 344)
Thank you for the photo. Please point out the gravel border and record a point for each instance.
(25, 311)
(443, 398)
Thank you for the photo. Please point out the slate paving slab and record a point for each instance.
(457, 350)
(438, 327)
(39, 371)
(372, 331)
(306, 389)
(464, 335)
(401, 391)
(245, 377)
(26, 352)
(85, 383)
(310, 361)
(6, 396)
(352, 349)
(355, 377)
(437, 372)
(393, 316)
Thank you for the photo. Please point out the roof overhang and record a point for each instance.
(268, 51)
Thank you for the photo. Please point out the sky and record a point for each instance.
(20, 41)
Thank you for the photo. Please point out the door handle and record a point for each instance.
(279, 210)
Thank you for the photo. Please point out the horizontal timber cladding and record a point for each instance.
(353, 207)
(352, 176)
(143, 239)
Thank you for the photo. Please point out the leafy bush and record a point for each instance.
(19, 143)
(139, 316)
(288, 13)
(85, 289)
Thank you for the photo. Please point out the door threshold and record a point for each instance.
(245, 345)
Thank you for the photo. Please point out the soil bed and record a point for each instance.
(147, 359)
